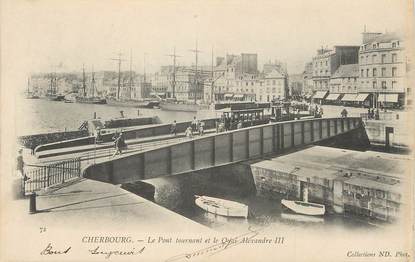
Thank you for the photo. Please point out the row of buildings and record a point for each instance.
(372, 74)
(233, 77)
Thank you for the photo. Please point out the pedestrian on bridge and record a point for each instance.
(189, 132)
(195, 124)
(173, 128)
(119, 144)
(201, 128)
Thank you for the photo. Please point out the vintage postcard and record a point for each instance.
(182, 130)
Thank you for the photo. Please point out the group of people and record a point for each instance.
(227, 123)
(372, 114)
(317, 110)
(196, 126)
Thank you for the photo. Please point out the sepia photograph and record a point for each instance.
(182, 130)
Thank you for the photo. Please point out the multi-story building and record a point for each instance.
(343, 84)
(326, 62)
(308, 85)
(271, 86)
(382, 69)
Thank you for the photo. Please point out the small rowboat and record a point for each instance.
(222, 207)
(305, 208)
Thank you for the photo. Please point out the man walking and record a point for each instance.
(173, 128)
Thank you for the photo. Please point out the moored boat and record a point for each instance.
(222, 207)
(133, 103)
(305, 208)
(91, 100)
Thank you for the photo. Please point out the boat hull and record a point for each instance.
(304, 208)
(222, 207)
(96, 101)
(182, 107)
(132, 103)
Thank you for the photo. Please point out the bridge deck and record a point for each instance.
(218, 149)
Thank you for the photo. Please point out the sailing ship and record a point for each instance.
(304, 207)
(222, 207)
(126, 101)
(197, 86)
(30, 95)
(52, 91)
(84, 99)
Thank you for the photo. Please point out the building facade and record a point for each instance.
(326, 62)
(383, 68)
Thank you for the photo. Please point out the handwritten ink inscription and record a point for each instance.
(50, 250)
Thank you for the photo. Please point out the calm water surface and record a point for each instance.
(42, 116)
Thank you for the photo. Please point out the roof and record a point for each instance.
(386, 38)
(351, 70)
(274, 74)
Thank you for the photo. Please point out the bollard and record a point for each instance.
(32, 203)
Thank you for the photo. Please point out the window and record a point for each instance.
(383, 84)
(326, 62)
(383, 58)
(394, 45)
(252, 83)
(273, 82)
(374, 72)
(394, 58)
(373, 59)
(394, 71)
(273, 89)
(383, 71)
(246, 83)
(394, 84)
(374, 84)
(367, 72)
(362, 59)
(321, 63)
(362, 72)
(327, 71)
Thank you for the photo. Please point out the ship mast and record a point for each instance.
(196, 51)
(213, 82)
(174, 72)
(143, 84)
(83, 80)
(131, 72)
(119, 73)
(93, 81)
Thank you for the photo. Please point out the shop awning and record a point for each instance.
(333, 97)
(238, 96)
(391, 98)
(319, 94)
(361, 97)
(349, 97)
(228, 95)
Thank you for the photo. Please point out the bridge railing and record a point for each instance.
(49, 175)
(219, 149)
(140, 132)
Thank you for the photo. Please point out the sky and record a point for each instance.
(40, 35)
